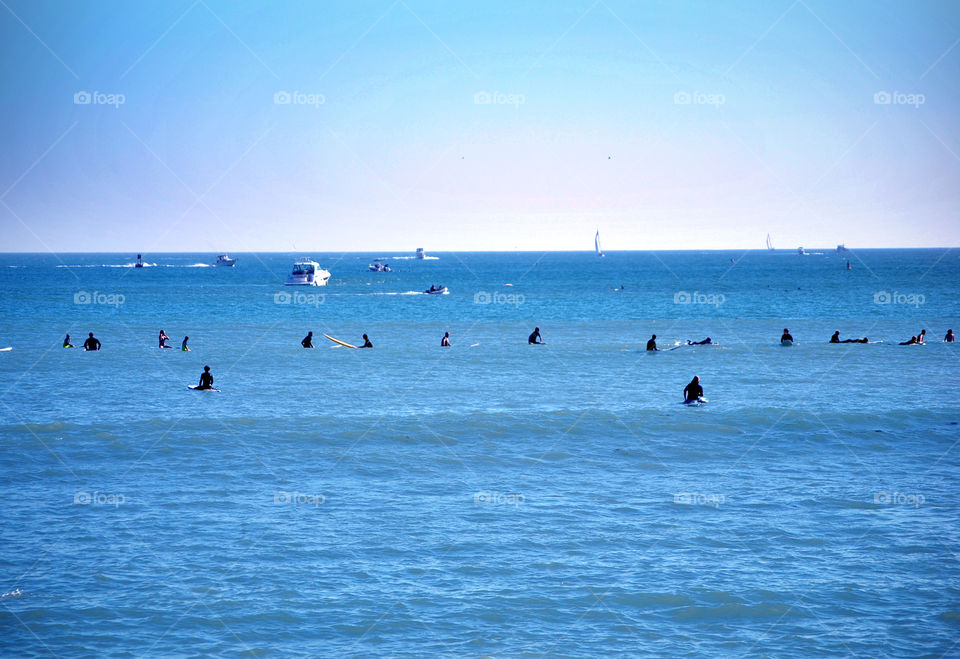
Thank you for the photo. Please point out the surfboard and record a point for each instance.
(6, 349)
(343, 343)
(786, 342)
(698, 402)
(197, 388)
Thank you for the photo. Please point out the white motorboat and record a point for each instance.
(307, 272)
(379, 266)
(224, 260)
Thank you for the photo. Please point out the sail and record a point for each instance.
(769, 244)
(596, 243)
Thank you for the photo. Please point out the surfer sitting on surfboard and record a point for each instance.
(947, 339)
(307, 340)
(652, 343)
(445, 341)
(206, 379)
(67, 344)
(366, 342)
(836, 339)
(693, 391)
(786, 336)
(535, 338)
(183, 346)
(91, 343)
(163, 339)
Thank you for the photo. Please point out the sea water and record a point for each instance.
(491, 498)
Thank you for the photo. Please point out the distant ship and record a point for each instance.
(770, 244)
(139, 263)
(801, 251)
(420, 254)
(842, 248)
(596, 244)
(224, 260)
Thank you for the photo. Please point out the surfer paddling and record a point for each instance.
(366, 342)
(836, 339)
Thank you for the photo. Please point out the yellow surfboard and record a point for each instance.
(343, 343)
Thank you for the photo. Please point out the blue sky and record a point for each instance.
(667, 125)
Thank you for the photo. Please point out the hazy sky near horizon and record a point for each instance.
(214, 125)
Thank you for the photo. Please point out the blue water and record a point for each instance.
(494, 498)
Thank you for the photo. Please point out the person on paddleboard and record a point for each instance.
(91, 343)
(366, 342)
(535, 338)
(836, 339)
(947, 339)
(307, 340)
(786, 336)
(183, 346)
(67, 344)
(206, 379)
(693, 391)
(445, 341)
(652, 344)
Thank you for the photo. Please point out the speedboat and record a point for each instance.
(224, 260)
(139, 263)
(307, 272)
(433, 290)
(379, 266)
(420, 254)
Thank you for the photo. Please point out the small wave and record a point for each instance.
(414, 258)
(192, 265)
(109, 265)
(16, 592)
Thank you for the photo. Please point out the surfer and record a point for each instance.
(786, 336)
(67, 344)
(445, 341)
(366, 342)
(183, 346)
(705, 342)
(921, 336)
(836, 339)
(912, 342)
(206, 379)
(535, 338)
(848, 266)
(947, 339)
(307, 340)
(693, 391)
(163, 339)
(91, 343)
(652, 343)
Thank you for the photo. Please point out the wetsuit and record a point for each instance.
(652, 344)
(66, 342)
(948, 338)
(532, 339)
(206, 380)
(163, 340)
(91, 344)
(307, 341)
(835, 338)
(445, 342)
(692, 392)
(786, 337)
(912, 342)
(366, 344)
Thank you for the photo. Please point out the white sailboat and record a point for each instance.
(770, 244)
(596, 244)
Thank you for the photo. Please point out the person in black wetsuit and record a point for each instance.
(91, 343)
(921, 336)
(366, 342)
(163, 339)
(67, 344)
(535, 338)
(947, 339)
(652, 344)
(705, 342)
(786, 336)
(445, 341)
(307, 340)
(693, 391)
(912, 342)
(836, 339)
(206, 379)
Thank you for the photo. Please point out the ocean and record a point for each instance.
(491, 498)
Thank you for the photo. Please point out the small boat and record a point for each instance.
(224, 260)
(770, 244)
(379, 266)
(307, 272)
(801, 251)
(596, 244)
(420, 254)
(433, 290)
(842, 248)
(139, 263)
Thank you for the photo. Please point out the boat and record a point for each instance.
(420, 254)
(770, 244)
(842, 248)
(379, 266)
(433, 290)
(596, 244)
(224, 260)
(307, 272)
(801, 251)
(139, 263)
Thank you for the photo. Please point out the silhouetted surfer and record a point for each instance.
(445, 341)
(836, 339)
(91, 343)
(786, 336)
(947, 339)
(535, 338)
(705, 342)
(652, 343)
(307, 340)
(693, 391)
(206, 379)
(366, 342)
(912, 342)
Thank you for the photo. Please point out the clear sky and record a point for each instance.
(665, 124)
